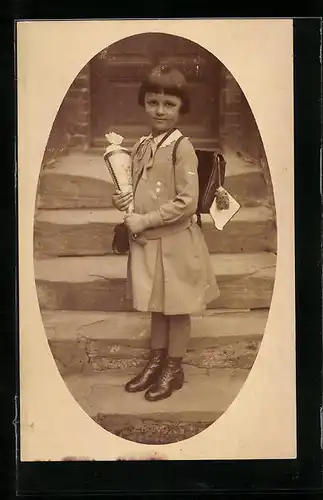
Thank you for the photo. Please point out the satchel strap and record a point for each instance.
(169, 133)
(176, 147)
(221, 161)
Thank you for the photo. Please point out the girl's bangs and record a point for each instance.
(163, 89)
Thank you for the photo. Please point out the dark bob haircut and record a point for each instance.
(168, 80)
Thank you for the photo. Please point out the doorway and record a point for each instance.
(116, 75)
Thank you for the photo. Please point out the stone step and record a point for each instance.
(99, 283)
(97, 340)
(205, 396)
(81, 180)
(90, 232)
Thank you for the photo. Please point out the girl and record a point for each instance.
(169, 268)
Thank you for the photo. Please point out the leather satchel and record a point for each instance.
(211, 176)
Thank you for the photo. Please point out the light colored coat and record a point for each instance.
(172, 273)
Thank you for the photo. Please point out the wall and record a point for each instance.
(238, 127)
(71, 128)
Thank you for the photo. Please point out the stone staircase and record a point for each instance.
(99, 341)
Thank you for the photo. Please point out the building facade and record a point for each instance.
(103, 97)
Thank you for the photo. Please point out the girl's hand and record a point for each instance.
(136, 223)
(121, 201)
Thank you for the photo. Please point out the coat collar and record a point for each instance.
(169, 140)
(173, 137)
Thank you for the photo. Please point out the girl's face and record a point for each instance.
(162, 110)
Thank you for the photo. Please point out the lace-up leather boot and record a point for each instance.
(170, 379)
(149, 374)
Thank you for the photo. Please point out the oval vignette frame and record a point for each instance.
(73, 226)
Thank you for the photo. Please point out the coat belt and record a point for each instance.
(158, 232)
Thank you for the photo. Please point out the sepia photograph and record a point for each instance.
(156, 339)
(155, 239)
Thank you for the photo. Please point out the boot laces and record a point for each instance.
(153, 360)
(167, 372)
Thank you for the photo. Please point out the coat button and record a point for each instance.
(157, 190)
(158, 183)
